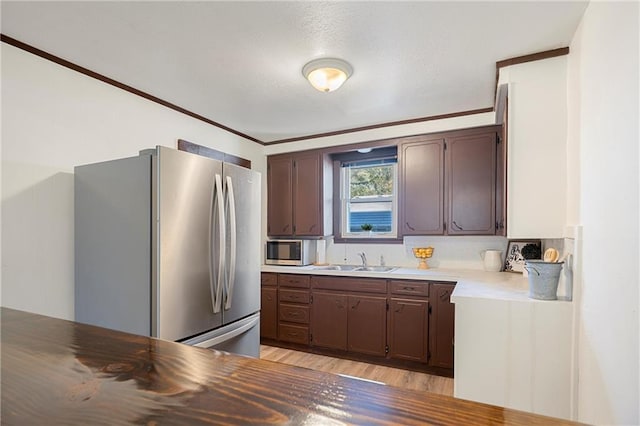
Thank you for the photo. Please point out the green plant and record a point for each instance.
(366, 227)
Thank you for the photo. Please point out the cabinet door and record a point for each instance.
(269, 313)
(367, 324)
(422, 188)
(441, 326)
(279, 196)
(329, 320)
(471, 184)
(307, 196)
(408, 329)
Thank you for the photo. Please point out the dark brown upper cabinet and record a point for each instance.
(294, 195)
(449, 183)
(421, 186)
(470, 164)
(280, 195)
(452, 183)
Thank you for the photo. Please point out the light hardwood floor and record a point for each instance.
(387, 375)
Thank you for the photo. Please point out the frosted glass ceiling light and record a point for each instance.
(327, 74)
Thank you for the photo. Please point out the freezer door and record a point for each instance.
(241, 337)
(183, 215)
(243, 254)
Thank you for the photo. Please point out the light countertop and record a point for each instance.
(470, 283)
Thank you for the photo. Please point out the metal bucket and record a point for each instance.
(543, 279)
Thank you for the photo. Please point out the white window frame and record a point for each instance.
(345, 202)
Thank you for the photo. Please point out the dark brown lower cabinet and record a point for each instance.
(293, 308)
(408, 329)
(367, 324)
(407, 323)
(269, 313)
(329, 320)
(293, 333)
(441, 326)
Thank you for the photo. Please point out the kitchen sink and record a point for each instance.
(355, 268)
(375, 268)
(337, 268)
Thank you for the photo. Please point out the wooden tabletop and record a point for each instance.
(61, 372)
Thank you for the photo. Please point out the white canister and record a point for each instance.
(492, 260)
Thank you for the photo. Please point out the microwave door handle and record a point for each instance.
(231, 204)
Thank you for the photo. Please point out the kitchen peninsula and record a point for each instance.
(61, 372)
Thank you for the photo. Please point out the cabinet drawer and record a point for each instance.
(369, 285)
(295, 296)
(294, 313)
(268, 279)
(409, 288)
(293, 333)
(293, 280)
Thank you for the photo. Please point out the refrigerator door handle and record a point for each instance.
(242, 327)
(231, 203)
(215, 283)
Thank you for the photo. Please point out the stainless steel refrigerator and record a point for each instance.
(167, 244)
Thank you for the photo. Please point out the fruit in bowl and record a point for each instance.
(423, 253)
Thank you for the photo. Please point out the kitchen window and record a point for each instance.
(368, 198)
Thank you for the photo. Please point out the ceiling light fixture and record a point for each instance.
(327, 74)
(364, 150)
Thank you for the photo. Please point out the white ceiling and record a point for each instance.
(239, 63)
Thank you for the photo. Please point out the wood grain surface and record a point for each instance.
(61, 372)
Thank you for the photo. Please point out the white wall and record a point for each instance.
(603, 131)
(53, 119)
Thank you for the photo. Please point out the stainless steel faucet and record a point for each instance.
(364, 259)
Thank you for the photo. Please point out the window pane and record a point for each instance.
(370, 181)
(368, 197)
(377, 214)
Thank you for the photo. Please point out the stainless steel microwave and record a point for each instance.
(290, 252)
